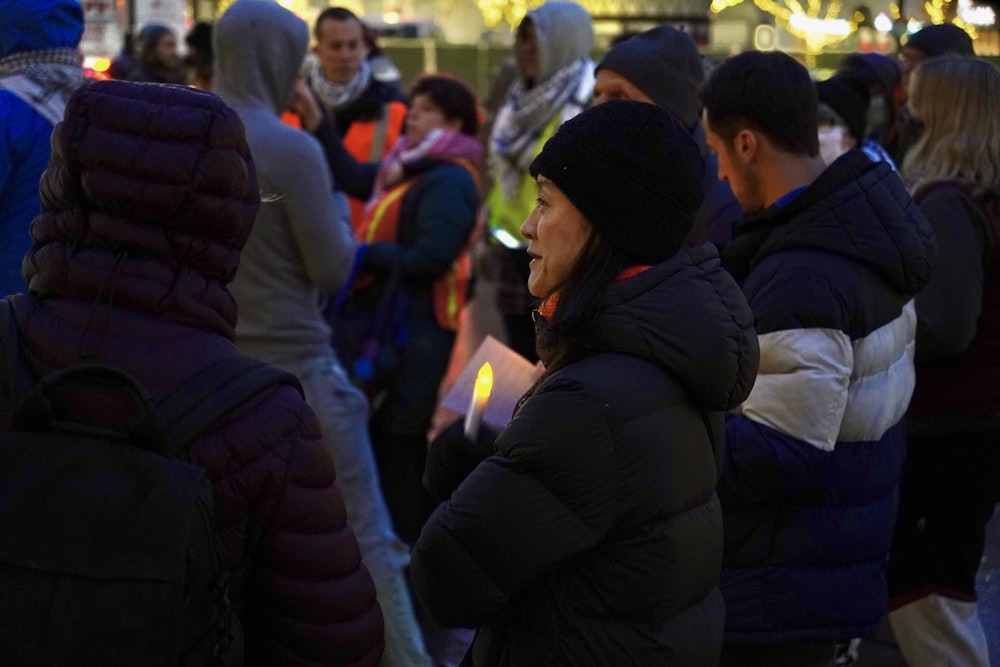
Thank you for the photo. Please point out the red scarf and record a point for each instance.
(548, 307)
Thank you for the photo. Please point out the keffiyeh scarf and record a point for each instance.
(335, 96)
(43, 79)
(523, 116)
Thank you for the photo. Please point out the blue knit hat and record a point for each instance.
(39, 25)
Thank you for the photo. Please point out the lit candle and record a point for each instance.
(480, 395)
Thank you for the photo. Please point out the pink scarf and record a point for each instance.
(439, 144)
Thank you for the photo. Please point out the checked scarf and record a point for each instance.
(524, 115)
(43, 79)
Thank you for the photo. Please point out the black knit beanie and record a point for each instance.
(848, 96)
(939, 40)
(665, 64)
(632, 171)
(873, 68)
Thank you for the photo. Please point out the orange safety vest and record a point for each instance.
(448, 292)
(291, 119)
(370, 140)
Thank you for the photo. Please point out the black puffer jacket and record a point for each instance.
(593, 535)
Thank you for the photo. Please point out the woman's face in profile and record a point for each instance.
(423, 116)
(557, 232)
(526, 51)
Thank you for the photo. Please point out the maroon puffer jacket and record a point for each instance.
(147, 201)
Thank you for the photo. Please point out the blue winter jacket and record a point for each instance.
(26, 26)
(814, 454)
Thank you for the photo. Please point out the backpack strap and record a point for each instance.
(197, 405)
(213, 393)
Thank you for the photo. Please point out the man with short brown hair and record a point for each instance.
(829, 259)
(369, 113)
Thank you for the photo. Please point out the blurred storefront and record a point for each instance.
(471, 37)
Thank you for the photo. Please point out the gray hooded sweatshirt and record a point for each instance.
(302, 246)
(565, 33)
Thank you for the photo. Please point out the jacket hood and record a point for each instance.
(148, 198)
(565, 34)
(857, 209)
(258, 48)
(688, 316)
(40, 25)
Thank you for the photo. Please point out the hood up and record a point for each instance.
(148, 198)
(258, 49)
(688, 316)
(565, 34)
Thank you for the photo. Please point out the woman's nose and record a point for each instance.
(528, 226)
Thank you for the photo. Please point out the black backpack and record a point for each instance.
(109, 551)
(369, 338)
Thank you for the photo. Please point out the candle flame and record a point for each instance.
(484, 383)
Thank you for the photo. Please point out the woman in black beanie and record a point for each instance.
(593, 535)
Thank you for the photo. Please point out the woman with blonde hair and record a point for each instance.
(949, 487)
(953, 100)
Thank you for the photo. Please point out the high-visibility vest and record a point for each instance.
(370, 141)
(508, 214)
(291, 119)
(448, 291)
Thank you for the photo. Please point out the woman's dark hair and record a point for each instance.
(454, 98)
(769, 92)
(149, 38)
(558, 339)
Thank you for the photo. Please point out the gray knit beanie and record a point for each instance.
(632, 171)
(665, 64)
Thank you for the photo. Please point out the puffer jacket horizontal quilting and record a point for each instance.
(308, 599)
(154, 191)
(809, 486)
(308, 591)
(147, 202)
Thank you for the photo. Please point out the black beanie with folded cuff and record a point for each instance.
(632, 171)
(847, 96)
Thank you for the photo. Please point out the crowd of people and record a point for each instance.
(764, 309)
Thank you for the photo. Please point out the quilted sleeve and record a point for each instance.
(546, 496)
(309, 600)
